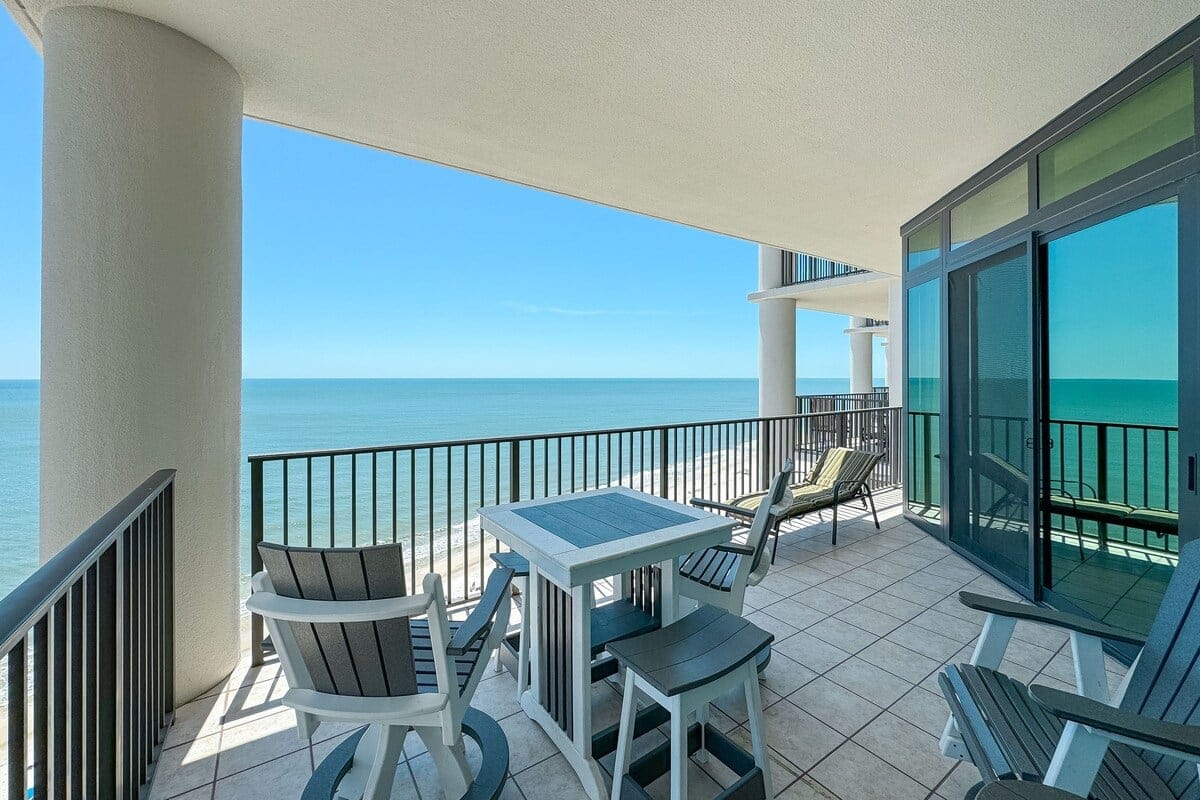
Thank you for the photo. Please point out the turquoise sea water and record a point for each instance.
(294, 415)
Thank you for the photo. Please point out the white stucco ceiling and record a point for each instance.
(816, 125)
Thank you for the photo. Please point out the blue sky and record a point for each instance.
(359, 263)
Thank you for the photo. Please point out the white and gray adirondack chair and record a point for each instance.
(1141, 744)
(718, 576)
(356, 648)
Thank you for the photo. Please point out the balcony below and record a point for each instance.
(851, 701)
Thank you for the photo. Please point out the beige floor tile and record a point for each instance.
(187, 766)
(816, 654)
(906, 747)
(852, 772)
(835, 705)
(551, 779)
(869, 681)
(924, 641)
(258, 741)
(899, 660)
(870, 620)
(283, 777)
(798, 737)
(924, 709)
(798, 615)
(807, 789)
(841, 634)
(527, 742)
(784, 676)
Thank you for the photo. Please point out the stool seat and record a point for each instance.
(518, 563)
(705, 645)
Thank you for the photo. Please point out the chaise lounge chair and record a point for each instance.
(839, 476)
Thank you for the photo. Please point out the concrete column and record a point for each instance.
(894, 350)
(776, 340)
(141, 302)
(861, 369)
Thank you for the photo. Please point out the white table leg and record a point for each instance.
(669, 571)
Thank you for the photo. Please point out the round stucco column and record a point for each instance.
(861, 368)
(776, 340)
(895, 343)
(141, 302)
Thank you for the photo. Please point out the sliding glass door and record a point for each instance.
(992, 446)
(1111, 492)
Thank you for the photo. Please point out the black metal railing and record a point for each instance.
(1113, 462)
(845, 401)
(427, 495)
(803, 268)
(871, 322)
(88, 644)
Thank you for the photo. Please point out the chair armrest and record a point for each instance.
(712, 505)
(740, 549)
(295, 609)
(1094, 714)
(1049, 616)
(479, 622)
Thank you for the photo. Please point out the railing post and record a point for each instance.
(662, 463)
(256, 536)
(1102, 476)
(514, 470)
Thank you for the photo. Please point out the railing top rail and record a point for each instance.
(30, 601)
(537, 437)
(1056, 421)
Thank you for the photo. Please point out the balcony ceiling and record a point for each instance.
(816, 126)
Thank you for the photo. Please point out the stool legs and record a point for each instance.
(625, 735)
(679, 752)
(522, 643)
(757, 740)
(682, 707)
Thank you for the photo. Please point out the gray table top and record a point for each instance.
(577, 538)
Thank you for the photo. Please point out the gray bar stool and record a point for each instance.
(683, 667)
(520, 649)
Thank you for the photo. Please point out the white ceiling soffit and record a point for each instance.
(818, 126)
(854, 296)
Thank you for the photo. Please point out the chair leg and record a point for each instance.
(625, 734)
(835, 508)
(755, 721)
(450, 760)
(382, 745)
(775, 545)
(871, 500)
(523, 644)
(679, 753)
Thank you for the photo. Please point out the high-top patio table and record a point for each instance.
(571, 542)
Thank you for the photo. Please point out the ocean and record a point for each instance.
(290, 415)
(293, 415)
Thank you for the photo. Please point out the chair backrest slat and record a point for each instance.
(764, 516)
(363, 659)
(1166, 680)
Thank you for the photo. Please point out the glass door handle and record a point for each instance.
(1191, 473)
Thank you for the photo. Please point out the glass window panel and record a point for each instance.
(1153, 119)
(1002, 201)
(923, 352)
(924, 244)
(1114, 414)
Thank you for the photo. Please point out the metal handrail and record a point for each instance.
(88, 648)
(803, 268)
(426, 494)
(34, 596)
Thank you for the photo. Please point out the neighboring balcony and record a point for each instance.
(803, 268)
(819, 284)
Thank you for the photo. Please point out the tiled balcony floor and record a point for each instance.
(851, 701)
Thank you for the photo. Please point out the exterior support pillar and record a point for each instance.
(141, 303)
(894, 349)
(776, 340)
(861, 369)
